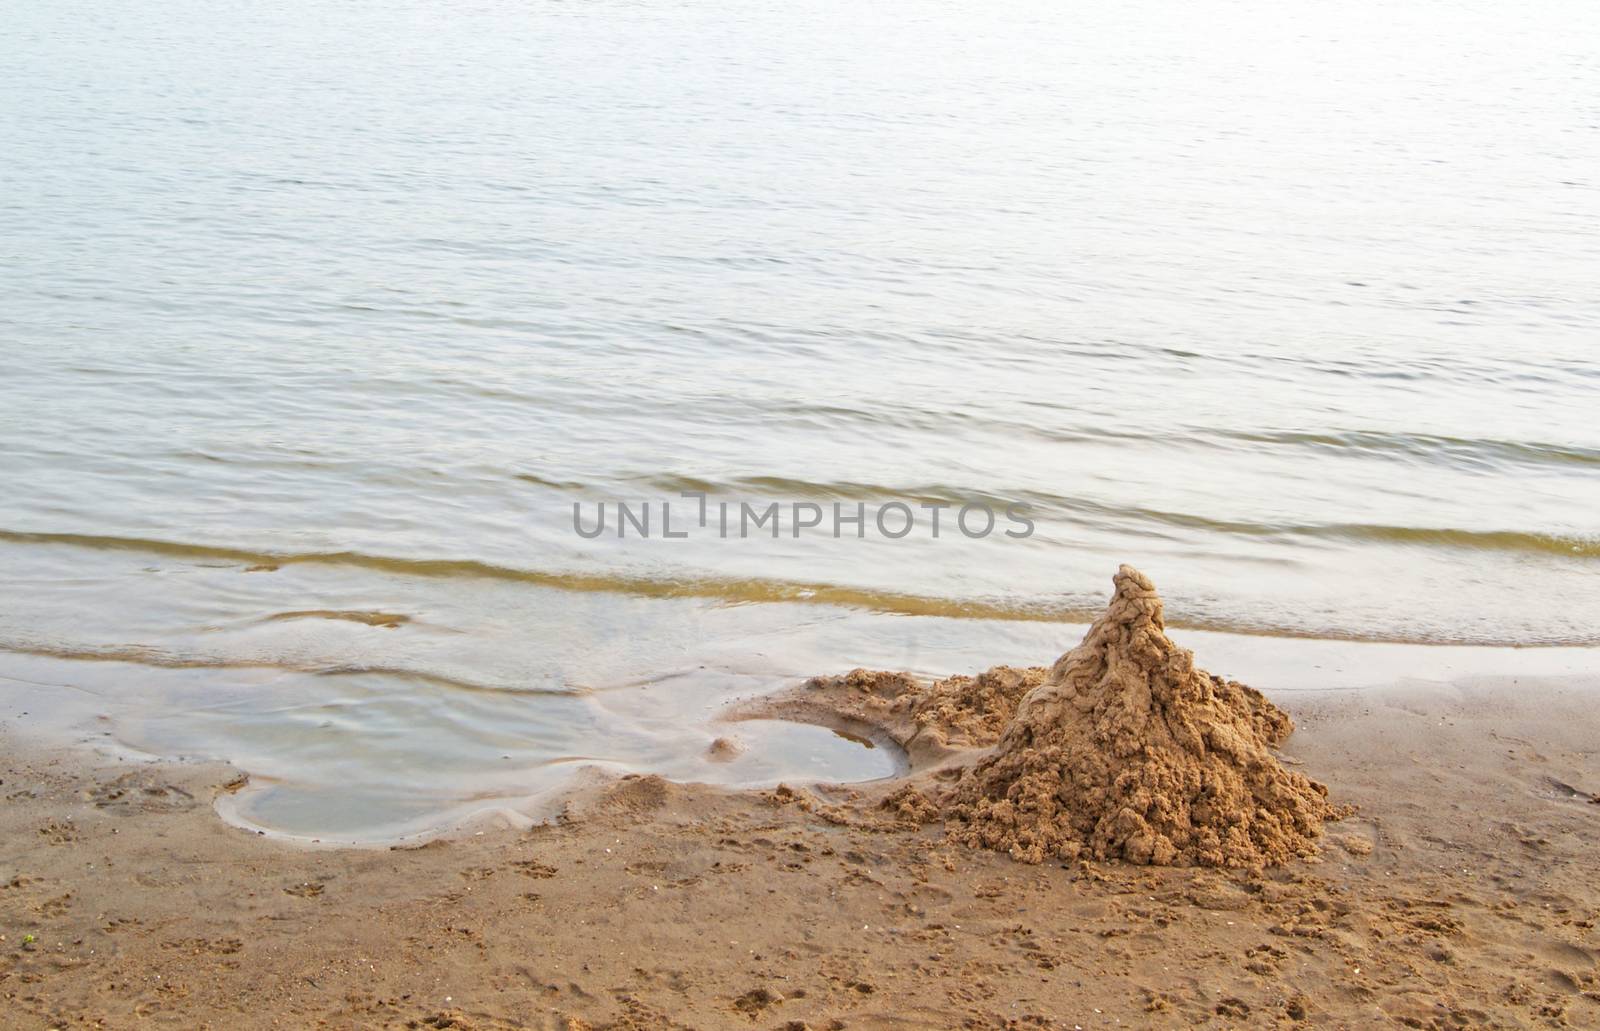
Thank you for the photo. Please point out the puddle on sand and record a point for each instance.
(766, 753)
(769, 751)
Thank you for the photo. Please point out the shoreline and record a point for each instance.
(40, 697)
(1457, 893)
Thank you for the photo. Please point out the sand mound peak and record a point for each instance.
(1128, 751)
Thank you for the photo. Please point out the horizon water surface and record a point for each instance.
(316, 322)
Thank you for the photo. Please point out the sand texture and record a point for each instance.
(1460, 895)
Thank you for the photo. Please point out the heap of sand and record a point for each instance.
(1128, 751)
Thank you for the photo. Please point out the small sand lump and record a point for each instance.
(1128, 751)
(724, 749)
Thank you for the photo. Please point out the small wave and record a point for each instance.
(139, 655)
(1479, 540)
(1424, 536)
(1568, 545)
(1481, 454)
(730, 589)
(383, 619)
(755, 590)
(1463, 452)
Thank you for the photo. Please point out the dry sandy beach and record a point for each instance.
(1461, 894)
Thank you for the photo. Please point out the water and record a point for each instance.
(1291, 305)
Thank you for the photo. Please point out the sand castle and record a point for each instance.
(1128, 751)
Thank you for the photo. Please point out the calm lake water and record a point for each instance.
(315, 322)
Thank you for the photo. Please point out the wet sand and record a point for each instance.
(1461, 894)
